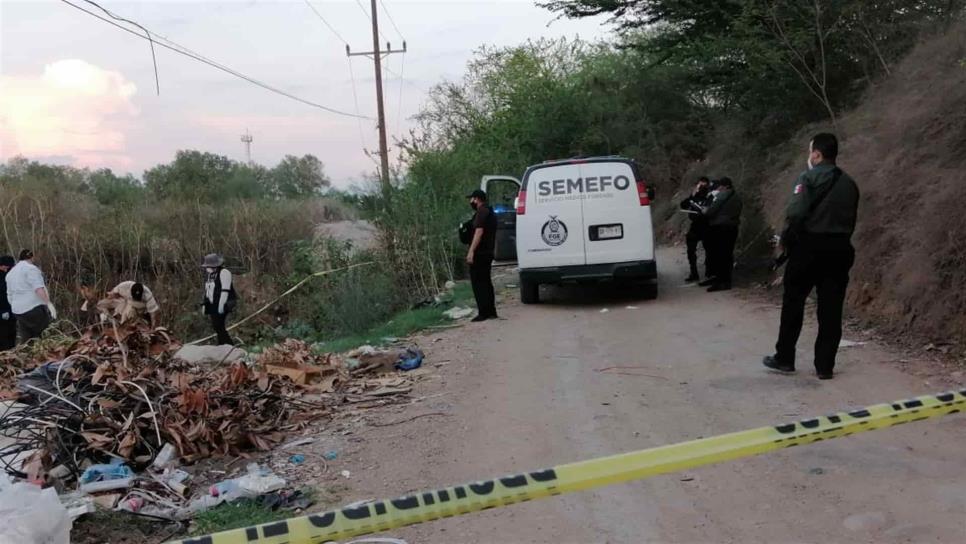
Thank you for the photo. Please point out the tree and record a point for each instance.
(296, 177)
(110, 190)
(192, 175)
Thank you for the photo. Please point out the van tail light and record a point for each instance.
(642, 193)
(522, 203)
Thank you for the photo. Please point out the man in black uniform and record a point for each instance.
(724, 218)
(820, 220)
(8, 323)
(698, 230)
(480, 256)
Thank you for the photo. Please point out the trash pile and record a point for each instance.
(117, 392)
(117, 412)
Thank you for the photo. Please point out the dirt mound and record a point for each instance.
(905, 144)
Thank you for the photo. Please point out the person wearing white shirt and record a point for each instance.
(29, 298)
(130, 300)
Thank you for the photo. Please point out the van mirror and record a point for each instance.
(650, 193)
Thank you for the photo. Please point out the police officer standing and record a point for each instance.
(820, 220)
(480, 256)
(698, 231)
(724, 218)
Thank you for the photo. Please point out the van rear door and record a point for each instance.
(501, 194)
(550, 224)
(617, 218)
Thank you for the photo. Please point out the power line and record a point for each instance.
(326, 23)
(352, 78)
(180, 49)
(402, 70)
(368, 16)
(154, 58)
(391, 20)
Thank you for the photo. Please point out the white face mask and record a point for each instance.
(809, 162)
(209, 270)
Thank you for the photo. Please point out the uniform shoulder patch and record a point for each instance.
(799, 188)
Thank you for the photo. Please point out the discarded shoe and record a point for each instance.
(774, 364)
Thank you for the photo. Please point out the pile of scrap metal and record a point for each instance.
(118, 393)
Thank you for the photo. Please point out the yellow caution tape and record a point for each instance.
(472, 497)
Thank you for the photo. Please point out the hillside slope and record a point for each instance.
(905, 144)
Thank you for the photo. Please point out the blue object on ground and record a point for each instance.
(331, 455)
(117, 470)
(411, 359)
(297, 459)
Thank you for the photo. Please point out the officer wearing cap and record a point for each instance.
(724, 218)
(817, 239)
(480, 256)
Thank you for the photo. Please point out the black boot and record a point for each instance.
(773, 363)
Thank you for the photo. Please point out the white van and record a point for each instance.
(581, 220)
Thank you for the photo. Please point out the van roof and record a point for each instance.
(579, 160)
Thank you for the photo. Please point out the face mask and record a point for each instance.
(474, 205)
(809, 163)
(210, 270)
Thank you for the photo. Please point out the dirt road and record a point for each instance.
(526, 392)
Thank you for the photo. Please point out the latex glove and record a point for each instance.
(5, 316)
(53, 311)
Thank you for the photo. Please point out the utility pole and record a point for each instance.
(376, 55)
(247, 140)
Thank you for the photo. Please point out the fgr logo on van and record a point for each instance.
(554, 232)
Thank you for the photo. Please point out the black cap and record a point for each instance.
(726, 182)
(479, 193)
(7, 260)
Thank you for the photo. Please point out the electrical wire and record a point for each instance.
(391, 20)
(352, 78)
(154, 58)
(355, 98)
(170, 45)
(325, 22)
(402, 71)
(366, 12)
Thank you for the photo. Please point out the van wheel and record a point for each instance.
(529, 292)
(650, 290)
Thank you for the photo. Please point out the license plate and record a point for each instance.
(606, 233)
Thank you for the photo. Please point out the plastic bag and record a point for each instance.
(31, 515)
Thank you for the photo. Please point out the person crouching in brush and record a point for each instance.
(220, 297)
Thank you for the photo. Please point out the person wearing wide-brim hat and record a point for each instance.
(220, 297)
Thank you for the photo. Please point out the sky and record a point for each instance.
(76, 90)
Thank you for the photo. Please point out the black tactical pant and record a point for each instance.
(32, 324)
(218, 322)
(826, 270)
(483, 285)
(721, 240)
(8, 333)
(695, 236)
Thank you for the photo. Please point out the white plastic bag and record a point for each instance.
(31, 515)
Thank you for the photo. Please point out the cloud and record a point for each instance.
(73, 109)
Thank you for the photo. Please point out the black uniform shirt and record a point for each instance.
(485, 219)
